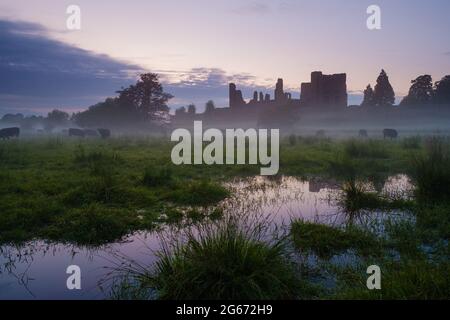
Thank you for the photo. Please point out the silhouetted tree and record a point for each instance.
(421, 91)
(110, 112)
(209, 107)
(143, 103)
(13, 118)
(191, 109)
(146, 96)
(368, 96)
(384, 93)
(57, 117)
(442, 90)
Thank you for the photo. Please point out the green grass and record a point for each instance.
(46, 184)
(326, 241)
(432, 172)
(198, 193)
(92, 192)
(404, 280)
(43, 180)
(366, 149)
(157, 176)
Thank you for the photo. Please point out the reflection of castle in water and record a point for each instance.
(323, 91)
(316, 186)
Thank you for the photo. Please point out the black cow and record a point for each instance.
(7, 133)
(363, 133)
(390, 133)
(73, 132)
(104, 133)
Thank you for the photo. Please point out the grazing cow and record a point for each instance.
(90, 133)
(390, 133)
(73, 132)
(104, 133)
(320, 134)
(7, 133)
(363, 133)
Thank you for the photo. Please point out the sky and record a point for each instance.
(199, 46)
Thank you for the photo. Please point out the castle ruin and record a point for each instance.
(323, 90)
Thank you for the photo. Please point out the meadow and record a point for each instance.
(92, 192)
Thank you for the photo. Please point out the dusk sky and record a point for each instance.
(198, 46)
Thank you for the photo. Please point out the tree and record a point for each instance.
(147, 96)
(368, 96)
(384, 93)
(191, 109)
(442, 90)
(144, 103)
(13, 118)
(421, 91)
(57, 117)
(209, 107)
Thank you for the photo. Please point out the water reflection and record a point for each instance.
(38, 269)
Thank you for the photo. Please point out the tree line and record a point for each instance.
(145, 103)
(421, 92)
(142, 103)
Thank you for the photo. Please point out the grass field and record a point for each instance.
(90, 192)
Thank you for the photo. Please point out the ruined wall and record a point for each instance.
(325, 90)
(235, 96)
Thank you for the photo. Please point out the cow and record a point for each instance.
(363, 133)
(390, 133)
(320, 134)
(73, 132)
(104, 133)
(90, 133)
(7, 133)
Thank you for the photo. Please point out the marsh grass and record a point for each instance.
(228, 259)
(326, 241)
(292, 139)
(417, 279)
(414, 142)
(432, 172)
(198, 193)
(157, 176)
(356, 196)
(366, 149)
(93, 225)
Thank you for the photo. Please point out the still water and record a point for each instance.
(37, 270)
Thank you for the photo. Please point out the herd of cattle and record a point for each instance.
(387, 133)
(14, 132)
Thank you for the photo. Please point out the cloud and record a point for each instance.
(38, 74)
(37, 71)
(261, 7)
(254, 7)
(201, 84)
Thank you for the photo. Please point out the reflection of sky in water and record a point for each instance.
(37, 270)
